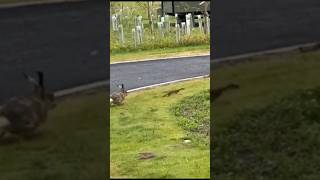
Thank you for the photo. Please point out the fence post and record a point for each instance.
(177, 33)
(121, 35)
(134, 36)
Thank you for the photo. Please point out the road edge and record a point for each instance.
(225, 60)
(35, 3)
(159, 59)
(167, 83)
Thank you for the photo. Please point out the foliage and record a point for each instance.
(193, 114)
(279, 141)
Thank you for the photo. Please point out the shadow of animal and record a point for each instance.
(216, 93)
(169, 93)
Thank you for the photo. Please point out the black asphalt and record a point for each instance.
(139, 74)
(242, 26)
(67, 41)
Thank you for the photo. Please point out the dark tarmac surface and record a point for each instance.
(242, 26)
(68, 42)
(139, 74)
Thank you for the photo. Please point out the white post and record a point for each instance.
(160, 27)
(139, 34)
(176, 16)
(200, 23)
(134, 36)
(183, 27)
(177, 33)
(167, 22)
(121, 35)
(152, 28)
(114, 22)
(188, 23)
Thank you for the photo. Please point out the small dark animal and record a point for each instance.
(118, 98)
(215, 93)
(23, 115)
(176, 91)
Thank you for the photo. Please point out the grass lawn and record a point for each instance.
(269, 127)
(160, 53)
(72, 144)
(149, 122)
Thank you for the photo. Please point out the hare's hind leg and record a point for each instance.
(2, 133)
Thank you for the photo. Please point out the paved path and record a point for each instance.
(242, 26)
(67, 41)
(139, 74)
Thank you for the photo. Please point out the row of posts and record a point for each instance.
(181, 29)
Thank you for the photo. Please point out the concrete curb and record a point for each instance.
(248, 56)
(21, 4)
(217, 62)
(167, 83)
(81, 88)
(161, 59)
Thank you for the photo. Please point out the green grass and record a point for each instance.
(268, 129)
(160, 53)
(72, 144)
(194, 115)
(146, 123)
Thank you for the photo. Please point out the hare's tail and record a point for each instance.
(4, 122)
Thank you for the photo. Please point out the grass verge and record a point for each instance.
(160, 53)
(71, 145)
(269, 127)
(146, 123)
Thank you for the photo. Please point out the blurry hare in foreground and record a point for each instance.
(23, 115)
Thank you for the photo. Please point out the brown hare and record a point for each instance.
(118, 98)
(169, 93)
(23, 115)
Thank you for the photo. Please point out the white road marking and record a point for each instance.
(166, 83)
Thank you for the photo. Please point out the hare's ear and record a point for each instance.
(30, 79)
(40, 76)
(41, 83)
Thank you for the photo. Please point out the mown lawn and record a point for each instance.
(71, 145)
(147, 123)
(269, 127)
(160, 53)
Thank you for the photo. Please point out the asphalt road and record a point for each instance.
(139, 74)
(242, 26)
(67, 41)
